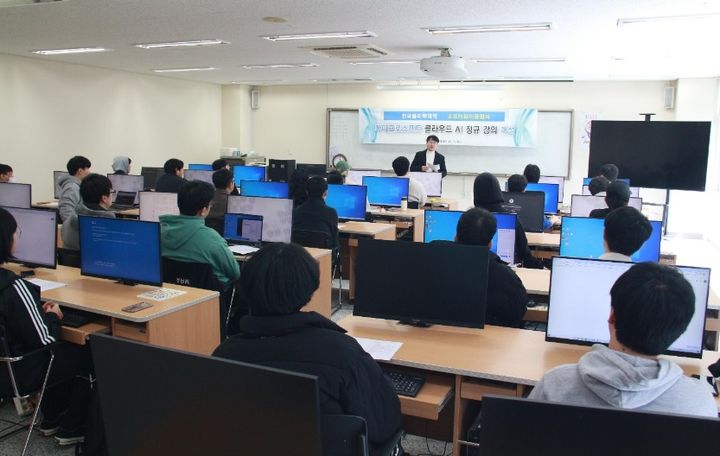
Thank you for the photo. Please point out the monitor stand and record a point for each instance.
(416, 323)
(126, 282)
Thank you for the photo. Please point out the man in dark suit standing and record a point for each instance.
(430, 159)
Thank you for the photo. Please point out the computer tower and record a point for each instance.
(280, 170)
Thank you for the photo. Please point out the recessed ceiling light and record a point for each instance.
(534, 27)
(275, 19)
(83, 50)
(639, 20)
(181, 70)
(317, 36)
(522, 60)
(191, 43)
(280, 65)
(384, 62)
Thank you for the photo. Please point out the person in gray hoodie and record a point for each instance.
(651, 306)
(95, 191)
(121, 165)
(78, 167)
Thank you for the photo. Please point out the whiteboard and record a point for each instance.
(552, 153)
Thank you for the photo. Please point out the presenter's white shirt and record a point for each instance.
(429, 160)
(416, 191)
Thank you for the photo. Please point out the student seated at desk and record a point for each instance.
(185, 237)
(224, 186)
(416, 190)
(487, 195)
(172, 180)
(650, 306)
(78, 167)
(532, 173)
(221, 163)
(617, 195)
(29, 324)
(6, 173)
(597, 185)
(335, 178)
(95, 192)
(609, 171)
(297, 187)
(121, 165)
(277, 282)
(314, 214)
(626, 230)
(506, 296)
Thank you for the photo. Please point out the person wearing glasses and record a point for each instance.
(96, 197)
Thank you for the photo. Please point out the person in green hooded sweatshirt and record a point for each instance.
(186, 238)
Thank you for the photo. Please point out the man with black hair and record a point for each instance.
(650, 307)
(6, 173)
(278, 281)
(598, 184)
(609, 171)
(617, 195)
(95, 191)
(532, 173)
(517, 183)
(185, 237)
(172, 180)
(335, 178)
(416, 190)
(219, 164)
(224, 186)
(429, 160)
(78, 167)
(626, 230)
(314, 214)
(506, 296)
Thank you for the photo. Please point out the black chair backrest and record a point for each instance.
(311, 238)
(196, 275)
(217, 224)
(344, 435)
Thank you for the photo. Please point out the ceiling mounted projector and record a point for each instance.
(444, 66)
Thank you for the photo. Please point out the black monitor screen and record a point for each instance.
(37, 236)
(124, 250)
(15, 195)
(435, 283)
(670, 155)
(151, 175)
(313, 169)
(530, 210)
(151, 397)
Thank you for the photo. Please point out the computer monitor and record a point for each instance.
(15, 195)
(243, 228)
(354, 176)
(582, 237)
(551, 192)
(582, 205)
(160, 401)
(556, 428)
(265, 189)
(199, 167)
(586, 180)
(151, 175)
(248, 173)
(555, 180)
(503, 243)
(155, 204)
(124, 250)
(57, 175)
(313, 169)
(634, 191)
(201, 175)
(579, 303)
(38, 237)
(386, 191)
(276, 212)
(127, 183)
(348, 200)
(430, 283)
(531, 209)
(432, 182)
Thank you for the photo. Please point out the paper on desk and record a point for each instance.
(243, 249)
(379, 349)
(46, 285)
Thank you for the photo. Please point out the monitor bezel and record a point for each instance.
(19, 184)
(55, 230)
(265, 240)
(399, 204)
(541, 218)
(269, 184)
(425, 224)
(365, 202)
(557, 203)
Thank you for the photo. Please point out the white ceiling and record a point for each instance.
(584, 33)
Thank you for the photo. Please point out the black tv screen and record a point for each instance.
(667, 155)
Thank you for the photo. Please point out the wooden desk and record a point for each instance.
(410, 218)
(535, 281)
(189, 322)
(46, 204)
(493, 360)
(128, 213)
(358, 230)
(447, 204)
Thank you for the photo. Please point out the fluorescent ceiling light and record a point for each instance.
(317, 36)
(534, 27)
(639, 20)
(435, 86)
(280, 65)
(534, 78)
(385, 62)
(522, 60)
(181, 70)
(180, 44)
(83, 50)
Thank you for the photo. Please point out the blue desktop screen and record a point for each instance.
(248, 173)
(348, 200)
(582, 237)
(386, 191)
(127, 250)
(551, 195)
(265, 189)
(586, 180)
(505, 237)
(200, 167)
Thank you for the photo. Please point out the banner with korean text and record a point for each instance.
(493, 128)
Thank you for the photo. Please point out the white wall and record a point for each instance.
(51, 111)
(236, 117)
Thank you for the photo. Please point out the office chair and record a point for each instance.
(21, 393)
(200, 275)
(346, 435)
(321, 240)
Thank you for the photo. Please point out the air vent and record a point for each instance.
(26, 2)
(360, 51)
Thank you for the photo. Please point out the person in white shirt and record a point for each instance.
(626, 230)
(416, 191)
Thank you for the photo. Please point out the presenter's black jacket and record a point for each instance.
(506, 295)
(169, 183)
(420, 160)
(315, 215)
(349, 380)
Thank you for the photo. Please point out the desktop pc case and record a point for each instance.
(280, 170)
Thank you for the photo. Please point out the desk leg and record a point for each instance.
(419, 227)
(458, 416)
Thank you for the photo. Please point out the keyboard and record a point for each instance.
(405, 384)
(75, 318)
